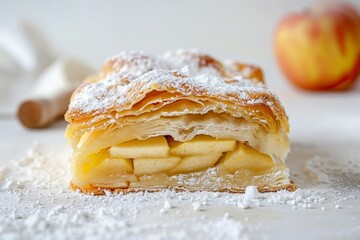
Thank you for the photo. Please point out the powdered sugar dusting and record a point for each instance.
(107, 93)
(178, 69)
(37, 203)
(195, 61)
(133, 64)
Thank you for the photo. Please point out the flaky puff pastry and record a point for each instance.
(180, 95)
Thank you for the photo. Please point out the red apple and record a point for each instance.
(319, 49)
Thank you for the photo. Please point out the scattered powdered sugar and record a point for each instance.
(197, 206)
(37, 204)
(251, 192)
(167, 205)
(244, 205)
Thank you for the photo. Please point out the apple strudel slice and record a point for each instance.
(182, 121)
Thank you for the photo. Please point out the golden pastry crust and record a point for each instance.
(181, 94)
(120, 90)
(242, 95)
(247, 71)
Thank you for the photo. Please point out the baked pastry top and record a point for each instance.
(183, 120)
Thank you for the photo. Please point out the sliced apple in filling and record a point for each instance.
(129, 161)
(195, 163)
(99, 168)
(245, 157)
(201, 145)
(91, 161)
(110, 169)
(156, 147)
(149, 166)
(116, 165)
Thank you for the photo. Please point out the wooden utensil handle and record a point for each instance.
(40, 112)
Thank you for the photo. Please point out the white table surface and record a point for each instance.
(325, 129)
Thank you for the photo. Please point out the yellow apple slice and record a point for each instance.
(115, 165)
(195, 163)
(113, 170)
(245, 157)
(99, 167)
(201, 145)
(84, 138)
(156, 147)
(149, 166)
(87, 163)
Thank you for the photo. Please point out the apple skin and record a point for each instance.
(319, 49)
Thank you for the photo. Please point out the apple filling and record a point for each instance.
(203, 163)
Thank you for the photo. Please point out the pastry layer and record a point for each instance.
(183, 121)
